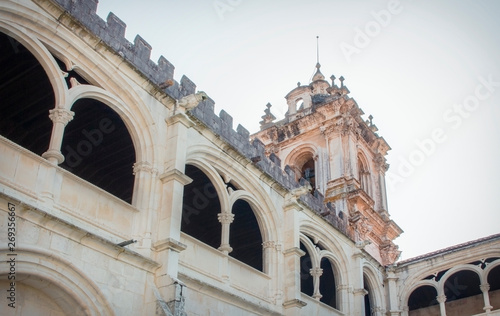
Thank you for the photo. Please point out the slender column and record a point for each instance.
(225, 219)
(316, 273)
(60, 118)
(442, 300)
(487, 305)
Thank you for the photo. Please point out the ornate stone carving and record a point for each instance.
(225, 218)
(61, 116)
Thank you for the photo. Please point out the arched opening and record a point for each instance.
(306, 279)
(98, 148)
(245, 237)
(327, 284)
(26, 96)
(368, 297)
(41, 297)
(364, 175)
(422, 301)
(200, 207)
(494, 282)
(308, 172)
(463, 294)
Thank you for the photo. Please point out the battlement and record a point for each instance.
(138, 53)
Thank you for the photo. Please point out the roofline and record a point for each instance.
(451, 249)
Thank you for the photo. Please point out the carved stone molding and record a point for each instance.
(144, 166)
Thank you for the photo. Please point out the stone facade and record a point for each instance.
(123, 193)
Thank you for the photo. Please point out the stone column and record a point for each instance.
(168, 216)
(485, 288)
(343, 299)
(225, 219)
(60, 118)
(316, 274)
(145, 186)
(292, 253)
(442, 300)
(392, 292)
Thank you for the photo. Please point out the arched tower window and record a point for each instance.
(26, 96)
(364, 175)
(97, 147)
(245, 238)
(200, 207)
(308, 172)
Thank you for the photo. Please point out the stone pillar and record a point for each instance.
(166, 233)
(343, 299)
(392, 292)
(358, 289)
(487, 305)
(292, 253)
(442, 300)
(225, 219)
(60, 118)
(145, 186)
(316, 274)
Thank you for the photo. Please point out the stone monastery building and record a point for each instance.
(122, 193)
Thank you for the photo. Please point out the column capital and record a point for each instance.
(441, 298)
(61, 115)
(484, 287)
(144, 166)
(316, 272)
(225, 218)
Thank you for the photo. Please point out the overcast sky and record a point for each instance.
(428, 72)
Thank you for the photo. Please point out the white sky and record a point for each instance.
(413, 72)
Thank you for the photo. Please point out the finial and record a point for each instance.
(333, 79)
(370, 117)
(267, 118)
(317, 51)
(298, 84)
(341, 81)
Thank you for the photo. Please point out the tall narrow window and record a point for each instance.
(200, 208)
(245, 237)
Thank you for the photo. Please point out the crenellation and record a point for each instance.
(142, 48)
(187, 86)
(275, 159)
(115, 26)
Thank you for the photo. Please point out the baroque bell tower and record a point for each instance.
(324, 139)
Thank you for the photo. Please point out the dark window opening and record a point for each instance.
(327, 284)
(98, 148)
(306, 279)
(367, 298)
(462, 286)
(308, 173)
(421, 297)
(200, 207)
(494, 278)
(26, 96)
(244, 235)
